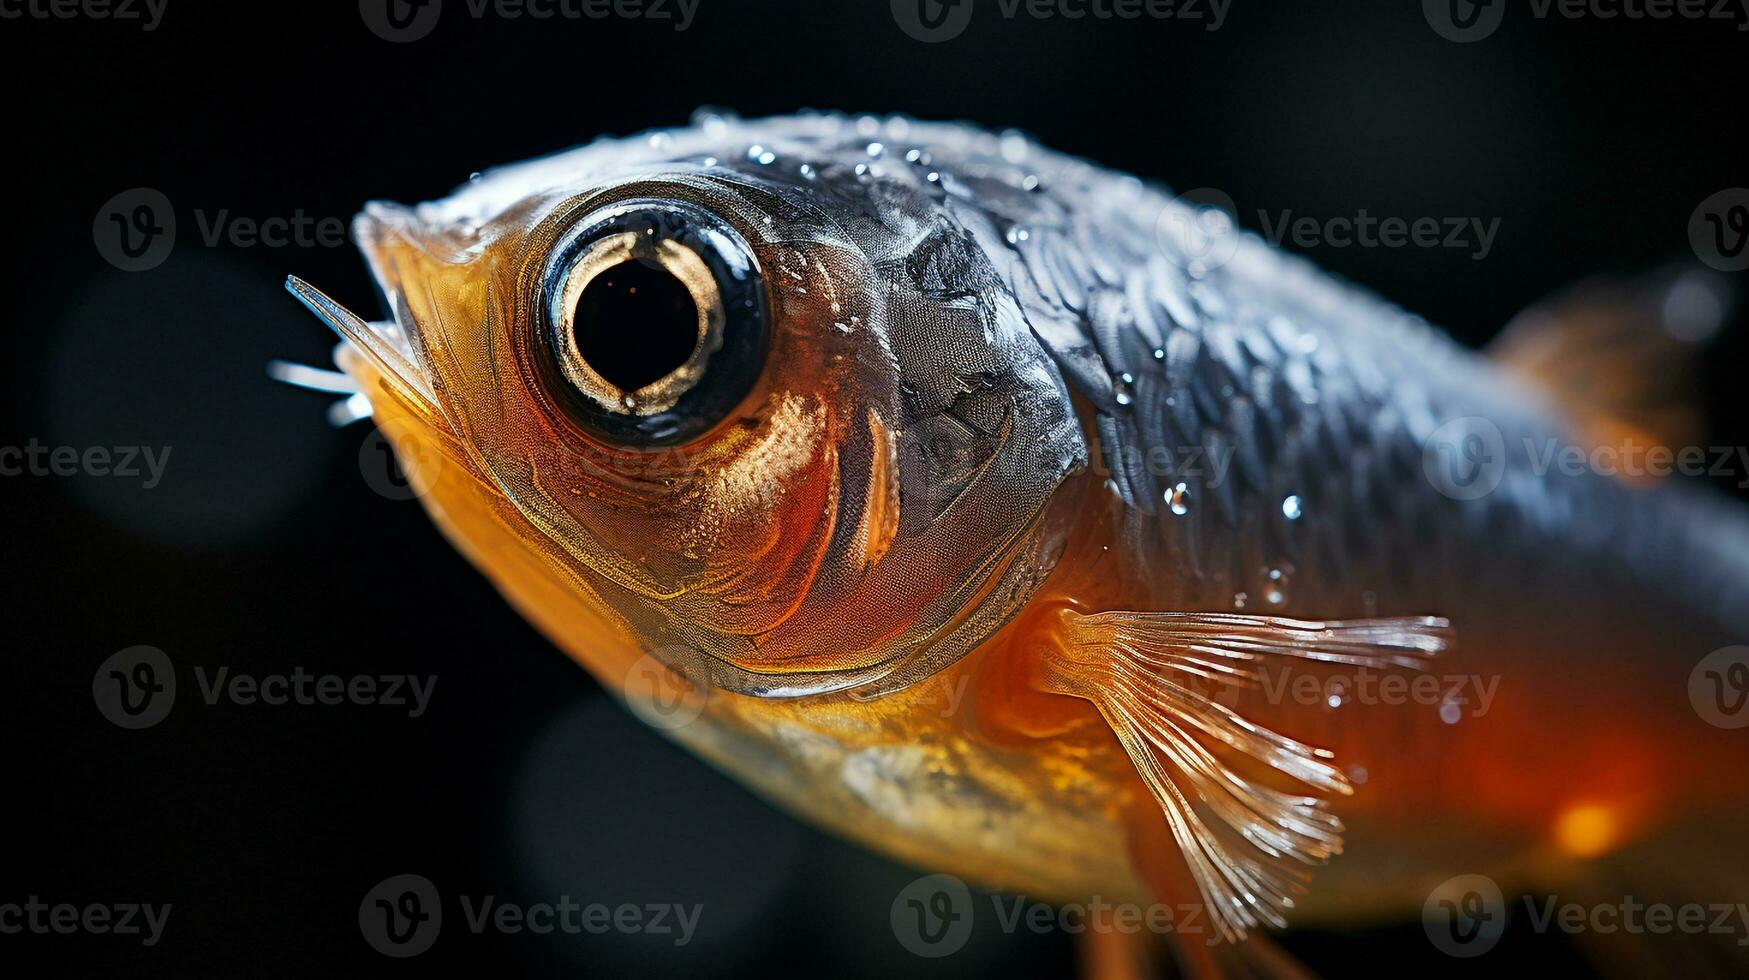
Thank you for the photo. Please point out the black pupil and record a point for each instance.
(635, 323)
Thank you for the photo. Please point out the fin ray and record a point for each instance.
(381, 345)
(1249, 845)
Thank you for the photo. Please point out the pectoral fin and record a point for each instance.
(1154, 678)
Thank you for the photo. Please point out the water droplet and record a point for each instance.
(1451, 712)
(876, 149)
(1357, 775)
(807, 171)
(476, 175)
(913, 155)
(1239, 600)
(1030, 183)
(659, 141)
(1120, 387)
(1017, 234)
(1276, 582)
(715, 122)
(862, 170)
(1178, 499)
(1291, 507)
(1159, 353)
(1334, 700)
(710, 161)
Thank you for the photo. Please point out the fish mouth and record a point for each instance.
(383, 344)
(392, 347)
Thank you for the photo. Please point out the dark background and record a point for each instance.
(264, 549)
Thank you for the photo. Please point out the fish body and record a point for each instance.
(1057, 535)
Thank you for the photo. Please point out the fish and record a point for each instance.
(1030, 524)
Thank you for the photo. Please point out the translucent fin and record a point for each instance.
(1153, 677)
(1618, 355)
(353, 408)
(312, 378)
(384, 345)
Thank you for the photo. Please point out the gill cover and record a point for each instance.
(842, 483)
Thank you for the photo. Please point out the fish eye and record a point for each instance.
(655, 321)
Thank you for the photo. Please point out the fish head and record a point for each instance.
(767, 409)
